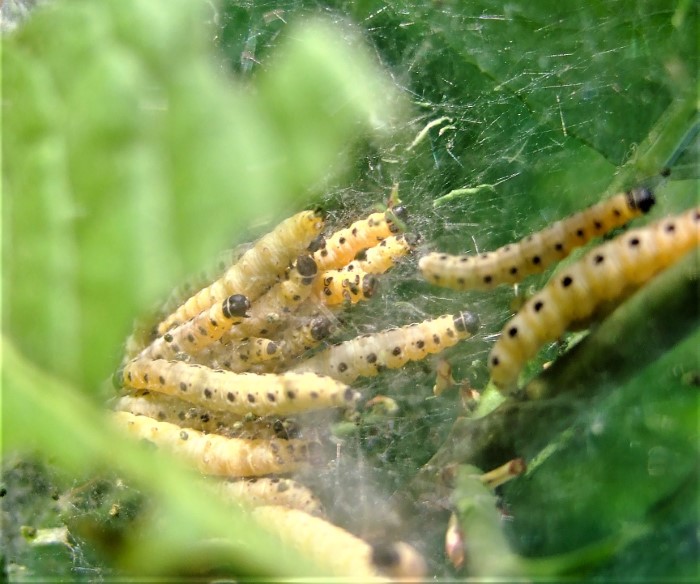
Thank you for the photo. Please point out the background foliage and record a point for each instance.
(139, 140)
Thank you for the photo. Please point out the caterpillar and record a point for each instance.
(512, 263)
(217, 455)
(297, 340)
(273, 308)
(383, 256)
(238, 393)
(238, 356)
(201, 331)
(165, 408)
(343, 553)
(604, 274)
(257, 268)
(341, 247)
(367, 355)
(336, 287)
(256, 492)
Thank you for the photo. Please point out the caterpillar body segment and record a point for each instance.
(298, 340)
(165, 408)
(367, 355)
(257, 492)
(383, 256)
(257, 268)
(217, 455)
(239, 356)
(201, 331)
(343, 553)
(342, 246)
(514, 262)
(606, 274)
(336, 287)
(239, 393)
(276, 306)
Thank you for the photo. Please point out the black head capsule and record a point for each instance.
(642, 199)
(320, 328)
(369, 285)
(235, 305)
(317, 243)
(411, 239)
(118, 378)
(467, 322)
(400, 212)
(306, 266)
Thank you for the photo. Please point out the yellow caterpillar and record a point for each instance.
(339, 550)
(533, 254)
(336, 287)
(257, 492)
(257, 268)
(383, 256)
(604, 274)
(365, 356)
(341, 247)
(201, 331)
(239, 393)
(216, 455)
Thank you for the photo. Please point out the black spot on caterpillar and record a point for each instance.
(607, 273)
(240, 393)
(365, 356)
(216, 455)
(297, 340)
(342, 246)
(257, 268)
(201, 331)
(533, 254)
(238, 356)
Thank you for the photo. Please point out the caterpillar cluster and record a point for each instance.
(606, 274)
(230, 364)
(535, 253)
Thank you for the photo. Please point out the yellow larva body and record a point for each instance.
(216, 455)
(166, 408)
(342, 246)
(365, 356)
(336, 287)
(239, 393)
(238, 356)
(256, 269)
(383, 256)
(257, 492)
(603, 275)
(298, 339)
(201, 331)
(340, 551)
(273, 308)
(533, 254)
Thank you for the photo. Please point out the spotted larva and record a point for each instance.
(239, 393)
(365, 356)
(342, 246)
(532, 255)
(165, 408)
(256, 269)
(238, 356)
(271, 491)
(604, 274)
(201, 331)
(336, 287)
(274, 307)
(298, 339)
(216, 455)
(383, 256)
(331, 546)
